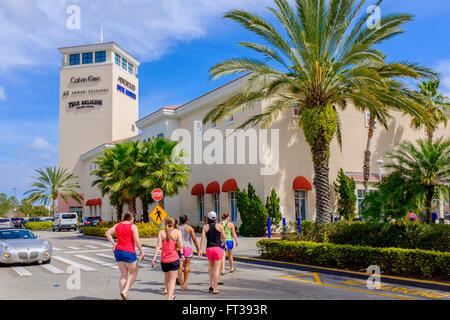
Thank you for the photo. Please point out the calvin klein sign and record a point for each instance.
(76, 80)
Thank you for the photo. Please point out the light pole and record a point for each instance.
(380, 167)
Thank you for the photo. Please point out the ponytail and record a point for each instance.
(170, 222)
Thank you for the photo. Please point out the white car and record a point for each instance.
(65, 221)
(6, 223)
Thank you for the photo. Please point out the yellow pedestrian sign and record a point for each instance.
(158, 214)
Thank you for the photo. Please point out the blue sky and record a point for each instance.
(177, 42)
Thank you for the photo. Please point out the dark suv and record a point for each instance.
(92, 221)
(18, 222)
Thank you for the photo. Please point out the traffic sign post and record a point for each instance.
(158, 214)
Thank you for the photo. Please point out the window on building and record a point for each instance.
(216, 200)
(233, 208)
(117, 59)
(100, 56)
(124, 64)
(78, 210)
(130, 68)
(360, 197)
(300, 204)
(74, 59)
(87, 57)
(201, 206)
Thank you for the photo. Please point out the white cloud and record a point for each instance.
(2, 93)
(33, 29)
(42, 145)
(444, 69)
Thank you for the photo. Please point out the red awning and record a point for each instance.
(98, 202)
(302, 183)
(213, 187)
(229, 186)
(89, 203)
(198, 189)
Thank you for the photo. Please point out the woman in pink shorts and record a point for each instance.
(214, 234)
(189, 241)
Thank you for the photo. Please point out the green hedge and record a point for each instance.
(407, 235)
(48, 225)
(395, 261)
(146, 230)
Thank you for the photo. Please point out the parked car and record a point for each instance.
(18, 222)
(47, 219)
(65, 221)
(6, 223)
(23, 246)
(91, 221)
(34, 220)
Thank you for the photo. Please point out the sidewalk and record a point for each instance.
(247, 246)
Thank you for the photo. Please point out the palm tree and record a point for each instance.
(7, 203)
(435, 104)
(424, 168)
(52, 183)
(163, 168)
(117, 174)
(326, 59)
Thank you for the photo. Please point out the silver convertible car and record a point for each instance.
(23, 246)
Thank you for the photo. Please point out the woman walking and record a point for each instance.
(125, 253)
(215, 235)
(189, 240)
(167, 240)
(230, 233)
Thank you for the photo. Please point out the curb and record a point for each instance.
(426, 284)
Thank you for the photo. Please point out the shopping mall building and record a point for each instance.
(99, 107)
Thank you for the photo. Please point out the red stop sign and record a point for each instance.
(157, 194)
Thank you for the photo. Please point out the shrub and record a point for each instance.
(253, 213)
(405, 235)
(412, 262)
(273, 209)
(39, 225)
(146, 230)
(345, 188)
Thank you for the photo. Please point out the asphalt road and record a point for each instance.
(99, 279)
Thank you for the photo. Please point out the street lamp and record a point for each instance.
(380, 167)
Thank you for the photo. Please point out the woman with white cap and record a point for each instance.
(214, 234)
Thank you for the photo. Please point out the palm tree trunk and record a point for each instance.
(429, 133)
(145, 210)
(322, 184)
(429, 205)
(367, 154)
(132, 206)
(161, 203)
(119, 212)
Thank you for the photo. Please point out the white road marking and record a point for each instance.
(56, 249)
(109, 245)
(142, 264)
(21, 271)
(52, 268)
(92, 247)
(88, 251)
(73, 263)
(101, 262)
(74, 248)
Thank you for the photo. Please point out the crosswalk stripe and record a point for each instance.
(74, 248)
(21, 271)
(88, 251)
(101, 262)
(52, 269)
(109, 245)
(56, 249)
(73, 263)
(92, 247)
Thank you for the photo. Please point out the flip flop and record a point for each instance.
(231, 271)
(220, 282)
(223, 273)
(211, 289)
(217, 292)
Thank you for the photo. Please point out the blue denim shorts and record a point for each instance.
(124, 256)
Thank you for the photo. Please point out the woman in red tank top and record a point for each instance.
(124, 252)
(170, 261)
